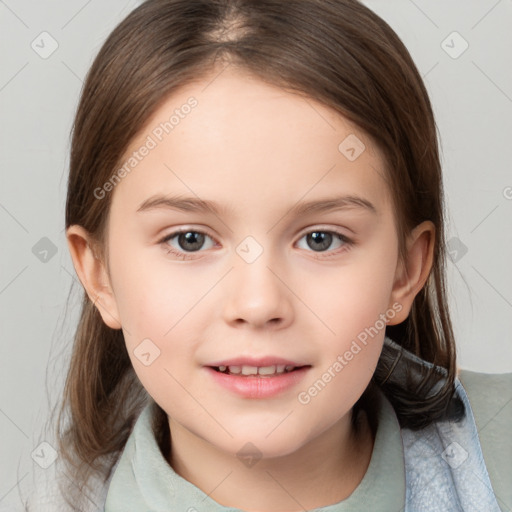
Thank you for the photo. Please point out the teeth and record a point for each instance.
(249, 370)
(255, 370)
(267, 370)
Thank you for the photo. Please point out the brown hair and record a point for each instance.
(337, 52)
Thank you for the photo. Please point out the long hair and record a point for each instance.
(337, 52)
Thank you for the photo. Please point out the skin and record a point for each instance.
(256, 150)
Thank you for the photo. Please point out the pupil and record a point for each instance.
(320, 237)
(191, 237)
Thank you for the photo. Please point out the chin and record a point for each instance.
(259, 446)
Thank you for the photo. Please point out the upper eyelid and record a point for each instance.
(179, 231)
(321, 227)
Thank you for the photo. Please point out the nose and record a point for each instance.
(258, 295)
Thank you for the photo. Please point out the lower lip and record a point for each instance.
(258, 387)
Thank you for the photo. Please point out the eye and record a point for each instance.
(319, 240)
(185, 241)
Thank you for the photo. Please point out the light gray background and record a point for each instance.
(472, 98)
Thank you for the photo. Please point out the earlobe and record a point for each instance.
(411, 276)
(92, 274)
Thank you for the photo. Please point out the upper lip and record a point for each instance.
(253, 361)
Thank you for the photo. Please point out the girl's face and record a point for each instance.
(290, 259)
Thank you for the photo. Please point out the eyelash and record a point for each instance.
(347, 243)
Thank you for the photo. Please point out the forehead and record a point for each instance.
(230, 135)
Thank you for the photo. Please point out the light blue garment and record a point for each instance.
(436, 469)
(445, 468)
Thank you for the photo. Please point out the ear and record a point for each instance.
(91, 271)
(411, 276)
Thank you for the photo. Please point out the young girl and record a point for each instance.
(255, 211)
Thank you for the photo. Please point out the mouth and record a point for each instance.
(257, 371)
(257, 381)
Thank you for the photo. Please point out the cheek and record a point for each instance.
(149, 293)
(353, 297)
(353, 304)
(155, 318)
(159, 306)
(349, 350)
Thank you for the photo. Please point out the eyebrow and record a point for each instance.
(194, 204)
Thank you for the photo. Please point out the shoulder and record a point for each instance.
(494, 380)
(490, 398)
